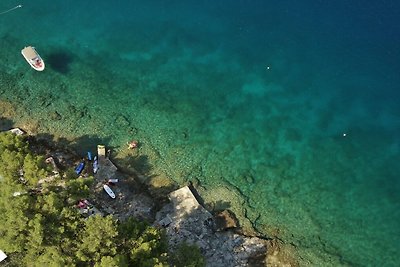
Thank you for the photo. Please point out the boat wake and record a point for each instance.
(11, 9)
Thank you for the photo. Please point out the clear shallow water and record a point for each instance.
(191, 82)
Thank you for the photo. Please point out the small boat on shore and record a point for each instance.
(33, 58)
(109, 191)
(95, 164)
(79, 168)
(3, 256)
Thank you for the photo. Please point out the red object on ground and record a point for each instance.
(82, 204)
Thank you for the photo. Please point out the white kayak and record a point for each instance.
(109, 191)
(95, 165)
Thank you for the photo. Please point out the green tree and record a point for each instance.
(149, 248)
(13, 142)
(131, 228)
(13, 219)
(11, 164)
(13, 230)
(36, 233)
(71, 225)
(145, 245)
(70, 174)
(12, 152)
(52, 257)
(98, 239)
(79, 188)
(50, 203)
(33, 168)
(116, 261)
(34, 247)
(188, 256)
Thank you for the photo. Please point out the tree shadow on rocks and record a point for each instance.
(60, 61)
(5, 124)
(79, 146)
(86, 143)
(195, 193)
(214, 206)
(221, 205)
(142, 165)
(138, 164)
(157, 185)
(43, 143)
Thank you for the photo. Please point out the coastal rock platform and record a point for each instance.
(185, 220)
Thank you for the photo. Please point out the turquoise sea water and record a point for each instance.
(247, 95)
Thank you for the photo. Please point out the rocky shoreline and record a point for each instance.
(217, 233)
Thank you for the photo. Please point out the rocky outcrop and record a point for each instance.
(224, 220)
(189, 222)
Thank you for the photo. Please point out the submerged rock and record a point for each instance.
(122, 121)
(225, 220)
(55, 116)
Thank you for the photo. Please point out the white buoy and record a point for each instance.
(344, 135)
(268, 68)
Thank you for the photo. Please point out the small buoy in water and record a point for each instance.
(267, 67)
(344, 135)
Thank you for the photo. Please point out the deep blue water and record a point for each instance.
(251, 95)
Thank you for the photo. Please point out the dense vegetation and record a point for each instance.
(40, 226)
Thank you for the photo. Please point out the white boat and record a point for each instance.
(3, 256)
(109, 191)
(33, 58)
(95, 165)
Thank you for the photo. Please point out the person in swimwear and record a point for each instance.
(133, 144)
